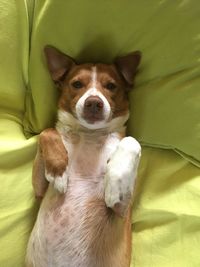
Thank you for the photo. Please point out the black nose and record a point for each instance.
(93, 104)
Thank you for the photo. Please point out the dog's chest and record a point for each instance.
(88, 155)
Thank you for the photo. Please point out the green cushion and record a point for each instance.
(165, 113)
(166, 215)
(14, 54)
(165, 102)
(17, 210)
(16, 153)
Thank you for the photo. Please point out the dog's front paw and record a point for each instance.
(121, 174)
(59, 182)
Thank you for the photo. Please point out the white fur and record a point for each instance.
(59, 182)
(94, 77)
(80, 105)
(67, 122)
(122, 171)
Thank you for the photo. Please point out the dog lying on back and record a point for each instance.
(85, 168)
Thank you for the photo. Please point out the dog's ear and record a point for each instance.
(58, 63)
(127, 65)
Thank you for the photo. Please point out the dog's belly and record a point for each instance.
(76, 228)
(65, 228)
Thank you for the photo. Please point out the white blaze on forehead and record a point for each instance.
(93, 91)
(94, 77)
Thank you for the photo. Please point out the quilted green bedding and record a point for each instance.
(165, 113)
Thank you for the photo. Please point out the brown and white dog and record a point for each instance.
(86, 168)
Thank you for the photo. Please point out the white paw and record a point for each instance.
(59, 182)
(121, 172)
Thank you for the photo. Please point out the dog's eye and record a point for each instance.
(110, 86)
(77, 84)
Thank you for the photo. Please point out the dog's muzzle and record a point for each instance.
(93, 109)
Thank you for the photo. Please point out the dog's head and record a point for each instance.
(94, 94)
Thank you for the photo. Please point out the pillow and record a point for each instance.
(165, 113)
(166, 211)
(17, 209)
(165, 102)
(14, 54)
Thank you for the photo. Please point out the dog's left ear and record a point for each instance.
(127, 65)
(58, 63)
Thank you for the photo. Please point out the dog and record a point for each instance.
(85, 169)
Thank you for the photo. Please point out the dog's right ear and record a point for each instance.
(127, 65)
(58, 63)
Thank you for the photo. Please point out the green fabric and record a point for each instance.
(166, 215)
(17, 209)
(16, 153)
(165, 103)
(164, 113)
(14, 47)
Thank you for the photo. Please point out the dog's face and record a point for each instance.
(94, 94)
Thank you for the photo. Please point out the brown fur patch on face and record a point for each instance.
(71, 95)
(105, 74)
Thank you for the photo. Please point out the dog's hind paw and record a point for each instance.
(59, 182)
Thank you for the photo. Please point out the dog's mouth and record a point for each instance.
(92, 121)
(93, 118)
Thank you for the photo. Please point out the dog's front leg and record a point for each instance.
(39, 181)
(50, 163)
(121, 174)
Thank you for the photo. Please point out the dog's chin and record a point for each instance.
(93, 122)
(92, 118)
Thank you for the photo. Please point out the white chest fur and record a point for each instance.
(88, 154)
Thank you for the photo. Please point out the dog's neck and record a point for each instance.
(67, 123)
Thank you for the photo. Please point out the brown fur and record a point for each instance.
(51, 155)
